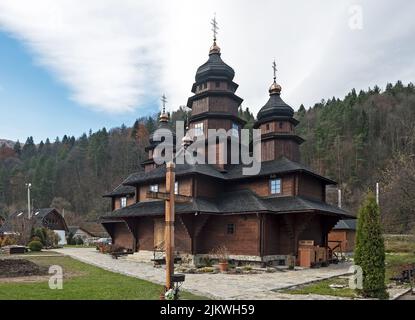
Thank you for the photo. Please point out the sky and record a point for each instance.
(68, 66)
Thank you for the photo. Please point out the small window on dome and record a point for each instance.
(281, 125)
(217, 83)
(267, 126)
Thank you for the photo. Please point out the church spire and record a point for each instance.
(214, 48)
(275, 87)
(164, 117)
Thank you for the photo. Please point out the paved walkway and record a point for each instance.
(216, 286)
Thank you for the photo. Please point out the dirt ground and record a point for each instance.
(12, 268)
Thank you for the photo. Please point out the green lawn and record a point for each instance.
(323, 288)
(83, 282)
(394, 262)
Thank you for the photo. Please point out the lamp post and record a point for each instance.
(29, 213)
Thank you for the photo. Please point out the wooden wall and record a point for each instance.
(122, 236)
(245, 240)
(261, 185)
(347, 238)
(117, 202)
(311, 187)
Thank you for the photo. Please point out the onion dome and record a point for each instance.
(163, 127)
(275, 107)
(214, 68)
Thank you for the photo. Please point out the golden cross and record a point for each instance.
(215, 27)
(274, 67)
(164, 100)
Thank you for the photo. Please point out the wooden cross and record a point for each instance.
(170, 197)
(215, 27)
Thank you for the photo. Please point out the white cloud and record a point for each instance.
(102, 51)
(115, 55)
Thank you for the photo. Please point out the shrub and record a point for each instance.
(52, 239)
(7, 241)
(79, 241)
(35, 246)
(35, 238)
(370, 249)
(69, 239)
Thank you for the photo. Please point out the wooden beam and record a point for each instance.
(166, 196)
(169, 227)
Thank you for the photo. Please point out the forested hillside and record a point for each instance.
(359, 140)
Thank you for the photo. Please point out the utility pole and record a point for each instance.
(29, 213)
(377, 193)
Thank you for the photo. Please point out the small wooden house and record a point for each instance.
(342, 236)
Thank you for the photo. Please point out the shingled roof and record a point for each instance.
(241, 201)
(348, 224)
(38, 215)
(281, 165)
(121, 190)
(181, 169)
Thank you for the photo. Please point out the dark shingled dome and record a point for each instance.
(214, 68)
(275, 107)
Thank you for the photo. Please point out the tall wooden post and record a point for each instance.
(169, 226)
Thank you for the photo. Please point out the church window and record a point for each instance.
(217, 84)
(281, 124)
(267, 126)
(275, 185)
(230, 229)
(154, 188)
(123, 202)
(198, 131)
(176, 187)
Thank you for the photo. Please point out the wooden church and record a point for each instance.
(265, 218)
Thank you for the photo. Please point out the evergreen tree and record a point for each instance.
(370, 249)
(17, 148)
(29, 148)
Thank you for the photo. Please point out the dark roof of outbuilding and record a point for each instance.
(214, 68)
(242, 201)
(347, 224)
(38, 215)
(121, 190)
(281, 165)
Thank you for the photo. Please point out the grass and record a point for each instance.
(400, 250)
(323, 288)
(401, 244)
(84, 282)
(394, 262)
